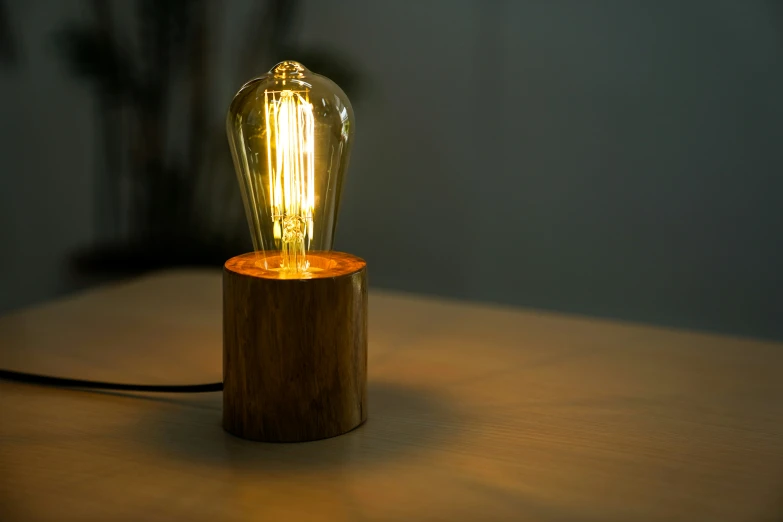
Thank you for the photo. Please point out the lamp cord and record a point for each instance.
(62, 382)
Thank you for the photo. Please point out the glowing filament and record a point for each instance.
(290, 147)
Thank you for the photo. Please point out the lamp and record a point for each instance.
(294, 311)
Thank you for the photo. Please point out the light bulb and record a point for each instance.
(290, 132)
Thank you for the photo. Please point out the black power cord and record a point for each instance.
(62, 382)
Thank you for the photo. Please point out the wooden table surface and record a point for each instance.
(476, 413)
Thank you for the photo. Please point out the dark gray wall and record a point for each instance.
(46, 159)
(602, 157)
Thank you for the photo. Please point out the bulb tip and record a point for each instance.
(288, 69)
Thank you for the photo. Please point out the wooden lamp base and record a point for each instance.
(294, 350)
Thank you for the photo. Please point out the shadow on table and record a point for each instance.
(402, 420)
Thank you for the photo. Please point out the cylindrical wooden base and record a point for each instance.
(294, 350)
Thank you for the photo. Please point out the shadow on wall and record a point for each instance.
(166, 191)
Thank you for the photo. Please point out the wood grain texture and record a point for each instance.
(294, 350)
(478, 413)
